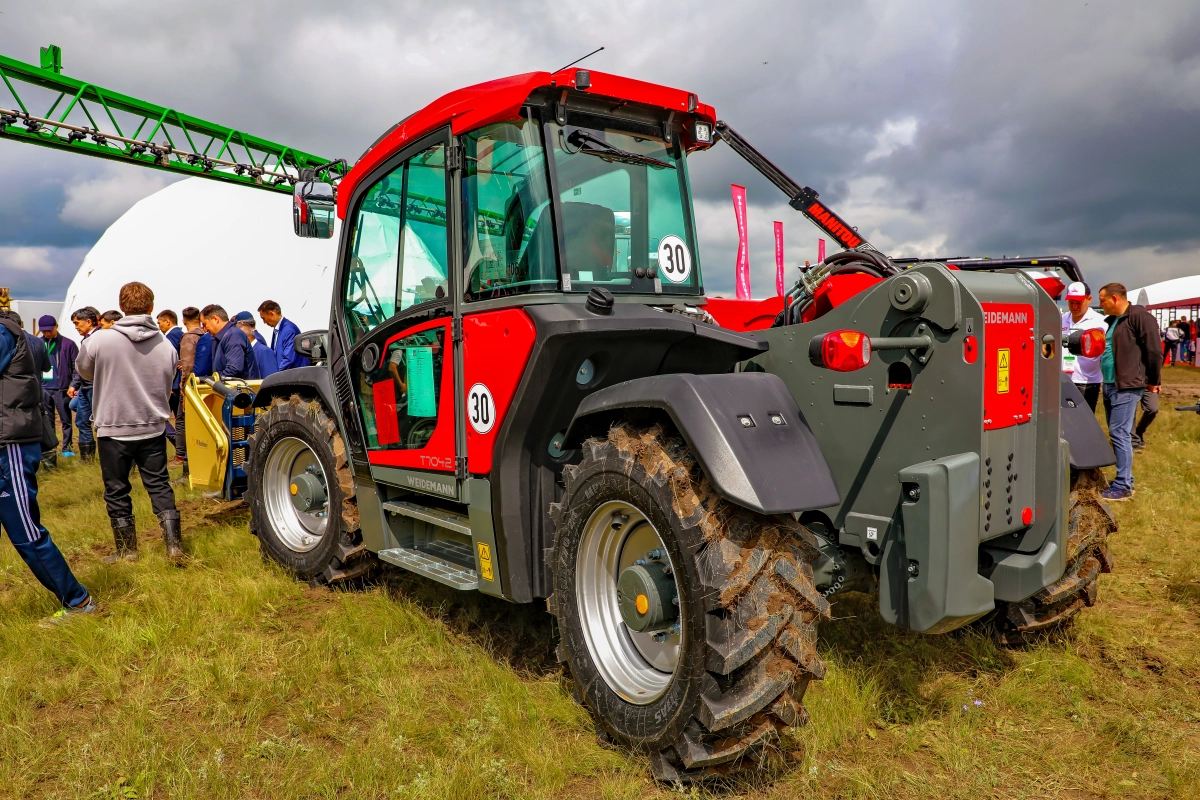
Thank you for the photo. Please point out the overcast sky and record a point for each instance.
(937, 128)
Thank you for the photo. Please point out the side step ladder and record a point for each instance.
(437, 558)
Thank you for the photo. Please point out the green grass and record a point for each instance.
(227, 679)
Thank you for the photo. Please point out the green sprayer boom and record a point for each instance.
(88, 119)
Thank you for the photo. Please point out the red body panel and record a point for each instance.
(836, 290)
(496, 347)
(744, 315)
(1053, 286)
(474, 106)
(1008, 356)
(438, 453)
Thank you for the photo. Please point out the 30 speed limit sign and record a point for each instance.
(481, 408)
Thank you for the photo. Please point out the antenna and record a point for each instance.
(576, 61)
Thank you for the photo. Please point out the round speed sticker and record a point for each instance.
(674, 259)
(481, 409)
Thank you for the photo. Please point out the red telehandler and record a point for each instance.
(520, 393)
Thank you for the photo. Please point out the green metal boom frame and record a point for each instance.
(188, 145)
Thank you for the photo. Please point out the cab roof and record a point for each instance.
(484, 103)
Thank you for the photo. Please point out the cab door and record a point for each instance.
(397, 306)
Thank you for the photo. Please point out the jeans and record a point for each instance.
(1120, 406)
(83, 414)
(58, 402)
(117, 459)
(1149, 404)
(22, 519)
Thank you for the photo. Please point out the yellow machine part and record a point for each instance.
(207, 436)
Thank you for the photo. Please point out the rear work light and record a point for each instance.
(841, 351)
(1089, 344)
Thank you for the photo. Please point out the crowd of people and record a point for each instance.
(120, 388)
(1128, 374)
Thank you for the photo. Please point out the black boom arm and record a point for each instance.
(803, 199)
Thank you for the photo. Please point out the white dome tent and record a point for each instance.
(200, 241)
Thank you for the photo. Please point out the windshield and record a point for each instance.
(625, 220)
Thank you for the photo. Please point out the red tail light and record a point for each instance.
(841, 351)
(970, 349)
(1091, 344)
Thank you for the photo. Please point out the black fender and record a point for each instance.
(747, 432)
(1090, 448)
(301, 380)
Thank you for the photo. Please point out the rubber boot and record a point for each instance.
(125, 536)
(172, 537)
(87, 451)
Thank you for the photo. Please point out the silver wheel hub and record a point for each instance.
(619, 541)
(295, 495)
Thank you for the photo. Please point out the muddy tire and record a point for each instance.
(744, 639)
(295, 438)
(1054, 608)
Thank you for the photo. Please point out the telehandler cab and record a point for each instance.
(523, 390)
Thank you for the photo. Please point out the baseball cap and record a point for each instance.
(1077, 291)
(46, 323)
(243, 316)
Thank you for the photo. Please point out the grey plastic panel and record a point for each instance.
(1017, 576)
(1090, 448)
(371, 516)
(745, 429)
(929, 578)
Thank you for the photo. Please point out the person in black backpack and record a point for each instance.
(22, 429)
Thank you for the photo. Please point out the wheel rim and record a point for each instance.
(633, 664)
(299, 531)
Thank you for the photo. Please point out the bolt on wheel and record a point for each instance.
(629, 602)
(296, 494)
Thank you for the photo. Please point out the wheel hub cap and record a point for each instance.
(646, 596)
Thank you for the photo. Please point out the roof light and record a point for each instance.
(841, 351)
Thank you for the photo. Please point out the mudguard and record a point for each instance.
(301, 380)
(1090, 448)
(747, 432)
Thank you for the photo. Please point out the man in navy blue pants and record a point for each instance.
(20, 454)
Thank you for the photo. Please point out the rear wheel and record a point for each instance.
(301, 494)
(689, 624)
(1056, 606)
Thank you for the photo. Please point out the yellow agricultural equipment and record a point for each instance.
(220, 422)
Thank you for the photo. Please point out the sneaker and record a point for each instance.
(69, 453)
(65, 614)
(1113, 494)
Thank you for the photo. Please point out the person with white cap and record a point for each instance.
(1084, 372)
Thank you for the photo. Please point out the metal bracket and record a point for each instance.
(456, 330)
(460, 467)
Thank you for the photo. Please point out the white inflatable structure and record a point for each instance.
(200, 241)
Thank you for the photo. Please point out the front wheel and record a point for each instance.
(688, 623)
(301, 494)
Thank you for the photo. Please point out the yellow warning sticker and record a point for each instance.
(485, 562)
(1002, 372)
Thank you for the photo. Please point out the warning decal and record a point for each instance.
(1002, 362)
(1009, 348)
(485, 562)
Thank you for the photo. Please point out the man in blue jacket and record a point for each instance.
(264, 356)
(283, 340)
(231, 355)
(62, 352)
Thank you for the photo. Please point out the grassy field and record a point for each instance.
(227, 679)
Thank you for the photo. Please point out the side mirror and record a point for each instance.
(314, 207)
(313, 344)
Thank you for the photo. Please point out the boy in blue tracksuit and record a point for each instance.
(20, 453)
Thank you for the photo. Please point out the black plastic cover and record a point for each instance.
(300, 380)
(1089, 446)
(749, 435)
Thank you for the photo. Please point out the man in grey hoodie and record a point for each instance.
(131, 366)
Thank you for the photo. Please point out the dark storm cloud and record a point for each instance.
(933, 126)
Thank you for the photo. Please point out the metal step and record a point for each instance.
(459, 523)
(431, 567)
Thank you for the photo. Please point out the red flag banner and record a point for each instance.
(820, 250)
(742, 273)
(779, 258)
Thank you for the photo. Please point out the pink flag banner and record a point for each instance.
(820, 250)
(779, 258)
(742, 273)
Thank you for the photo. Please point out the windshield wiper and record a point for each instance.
(598, 147)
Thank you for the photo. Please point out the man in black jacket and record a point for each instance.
(20, 451)
(1131, 366)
